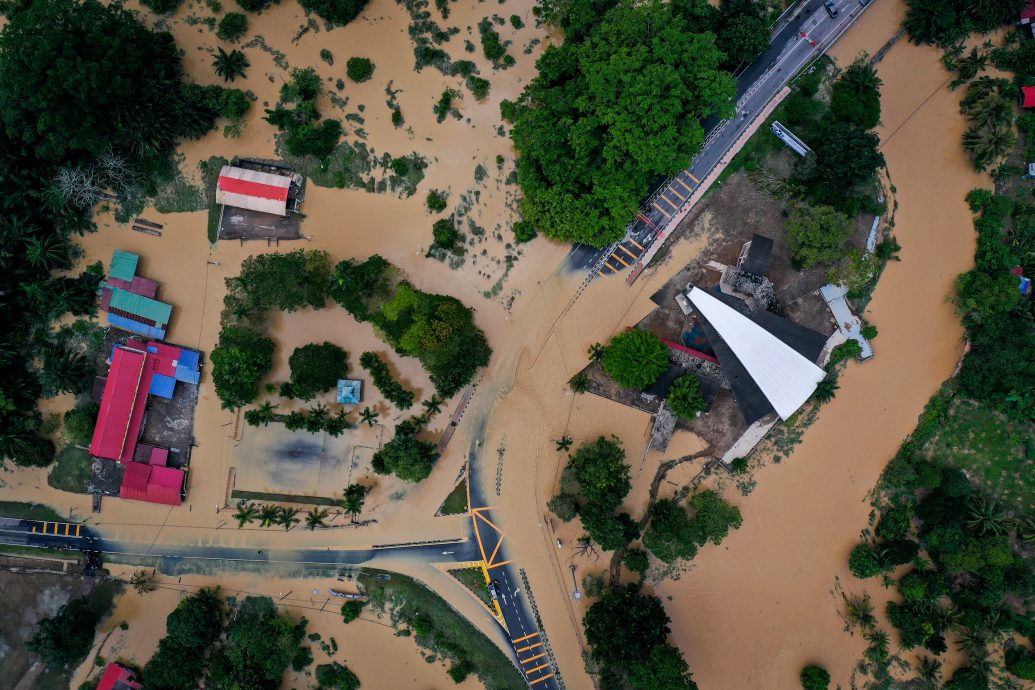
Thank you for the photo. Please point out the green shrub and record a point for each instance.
(849, 349)
(869, 331)
(359, 69)
(817, 235)
(864, 562)
(436, 201)
(232, 26)
(564, 506)
(492, 47)
(684, 397)
(65, 637)
(636, 560)
(516, 22)
(350, 610)
(524, 231)
(239, 360)
(339, 12)
(391, 389)
(162, 6)
(445, 233)
(479, 87)
(739, 465)
(815, 678)
(460, 670)
(256, 5)
(80, 422)
(636, 358)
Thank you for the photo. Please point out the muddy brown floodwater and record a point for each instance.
(747, 614)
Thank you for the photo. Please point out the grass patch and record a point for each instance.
(991, 448)
(29, 511)
(237, 494)
(39, 552)
(474, 580)
(72, 471)
(456, 501)
(210, 174)
(438, 627)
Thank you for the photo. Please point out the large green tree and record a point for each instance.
(670, 535)
(847, 158)
(855, 96)
(636, 358)
(406, 456)
(664, 669)
(66, 636)
(625, 625)
(259, 647)
(241, 357)
(614, 107)
(600, 469)
(817, 235)
(317, 367)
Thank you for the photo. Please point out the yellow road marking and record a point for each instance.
(478, 536)
(624, 249)
(67, 527)
(496, 565)
(497, 549)
(531, 646)
(691, 176)
(489, 523)
(608, 264)
(533, 658)
(33, 527)
(636, 243)
(619, 259)
(663, 211)
(684, 185)
(522, 639)
(673, 190)
(601, 274)
(537, 668)
(77, 529)
(540, 680)
(662, 198)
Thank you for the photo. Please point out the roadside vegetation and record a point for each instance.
(583, 180)
(63, 640)
(63, 145)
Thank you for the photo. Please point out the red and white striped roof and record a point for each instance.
(253, 190)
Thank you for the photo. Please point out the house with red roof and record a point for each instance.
(138, 371)
(1027, 96)
(253, 190)
(118, 678)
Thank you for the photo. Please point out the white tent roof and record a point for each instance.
(253, 189)
(785, 377)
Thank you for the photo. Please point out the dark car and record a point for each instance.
(828, 5)
(493, 590)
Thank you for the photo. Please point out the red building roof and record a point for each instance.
(249, 188)
(122, 406)
(117, 678)
(1027, 96)
(152, 483)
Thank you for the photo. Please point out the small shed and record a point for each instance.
(349, 391)
(1027, 96)
(756, 255)
(253, 190)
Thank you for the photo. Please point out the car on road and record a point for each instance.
(828, 5)
(494, 590)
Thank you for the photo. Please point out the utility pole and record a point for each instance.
(576, 595)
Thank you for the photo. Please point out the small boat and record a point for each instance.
(346, 595)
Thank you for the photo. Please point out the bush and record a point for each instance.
(524, 231)
(239, 360)
(684, 397)
(479, 87)
(232, 26)
(391, 389)
(869, 331)
(849, 349)
(350, 610)
(460, 670)
(80, 422)
(339, 12)
(855, 96)
(636, 359)
(817, 235)
(864, 562)
(445, 233)
(636, 560)
(492, 47)
(162, 6)
(256, 5)
(359, 69)
(815, 678)
(316, 368)
(407, 457)
(739, 465)
(516, 22)
(436, 201)
(564, 506)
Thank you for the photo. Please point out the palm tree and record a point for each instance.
(369, 416)
(973, 643)
(596, 352)
(930, 22)
(1026, 530)
(993, 111)
(355, 497)
(985, 517)
(988, 145)
(826, 389)
(316, 518)
(143, 581)
(246, 513)
(859, 611)
(969, 66)
(288, 517)
(930, 669)
(230, 65)
(563, 443)
(269, 515)
(46, 252)
(316, 417)
(878, 649)
(580, 382)
(432, 406)
(265, 413)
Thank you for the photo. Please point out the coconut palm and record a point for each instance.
(878, 649)
(246, 513)
(859, 611)
(982, 88)
(230, 65)
(563, 443)
(143, 581)
(985, 517)
(316, 417)
(826, 389)
(369, 416)
(969, 66)
(995, 110)
(973, 643)
(432, 406)
(988, 145)
(264, 413)
(1026, 530)
(269, 515)
(355, 497)
(596, 352)
(316, 518)
(930, 669)
(46, 252)
(579, 383)
(289, 517)
(930, 22)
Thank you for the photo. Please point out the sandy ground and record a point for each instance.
(751, 612)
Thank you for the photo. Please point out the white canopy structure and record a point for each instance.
(784, 376)
(253, 190)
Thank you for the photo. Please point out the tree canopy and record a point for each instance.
(855, 96)
(817, 235)
(259, 647)
(685, 398)
(316, 367)
(339, 12)
(636, 358)
(618, 104)
(66, 636)
(407, 457)
(624, 626)
(241, 357)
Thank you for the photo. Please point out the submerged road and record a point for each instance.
(804, 32)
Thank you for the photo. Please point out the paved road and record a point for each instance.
(789, 51)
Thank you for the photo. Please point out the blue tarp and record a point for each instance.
(349, 391)
(187, 367)
(136, 327)
(163, 386)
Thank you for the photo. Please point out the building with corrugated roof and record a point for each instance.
(116, 677)
(129, 300)
(253, 190)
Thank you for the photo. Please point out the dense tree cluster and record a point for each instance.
(359, 69)
(947, 21)
(628, 631)
(674, 534)
(66, 636)
(306, 133)
(315, 368)
(635, 358)
(339, 12)
(381, 373)
(436, 329)
(817, 235)
(685, 398)
(618, 104)
(597, 482)
(90, 99)
(192, 629)
(258, 648)
(407, 457)
(240, 358)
